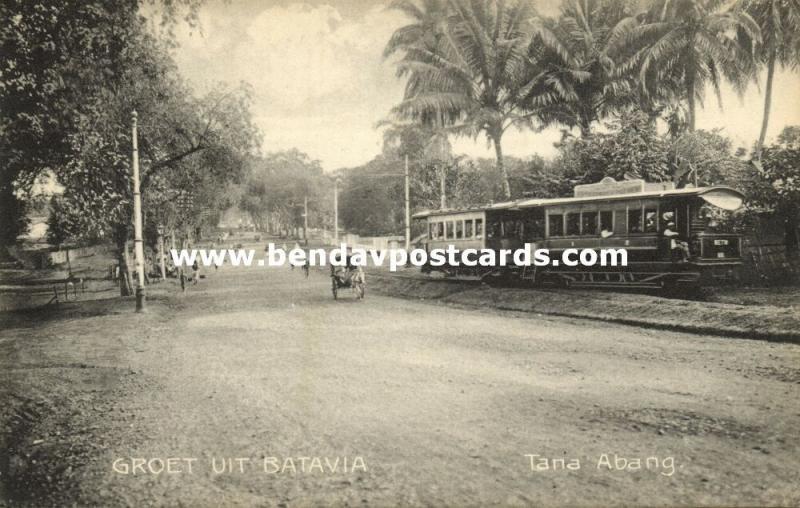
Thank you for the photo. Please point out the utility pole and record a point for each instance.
(408, 209)
(336, 211)
(443, 175)
(305, 220)
(137, 221)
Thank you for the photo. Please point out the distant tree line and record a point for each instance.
(277, 188)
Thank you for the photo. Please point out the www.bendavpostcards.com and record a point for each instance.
(396, 258)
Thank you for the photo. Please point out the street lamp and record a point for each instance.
(137, 221)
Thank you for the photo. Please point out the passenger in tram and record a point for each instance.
(675, 243)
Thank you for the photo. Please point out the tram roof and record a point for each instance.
(719, 195)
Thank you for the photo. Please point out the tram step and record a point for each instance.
(641, 285)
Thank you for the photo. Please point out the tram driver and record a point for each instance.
(675, 243)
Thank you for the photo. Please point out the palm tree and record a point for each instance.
(696, 41)
(779, 21)
(427, 27)
(578, 55)
(466, 66)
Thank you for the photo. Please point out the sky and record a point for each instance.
(321, 83)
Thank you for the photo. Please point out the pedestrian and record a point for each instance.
(286, 252)
(296, 248)
(195, 272)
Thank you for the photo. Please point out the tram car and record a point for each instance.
(629, 214)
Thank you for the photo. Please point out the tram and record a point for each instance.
(629, 214)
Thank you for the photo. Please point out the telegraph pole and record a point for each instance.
(408, 208)
(137, 221)
(443, 203)
(336, 211)
(443, 176)
(305, 220)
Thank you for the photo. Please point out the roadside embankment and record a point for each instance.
(764, 322)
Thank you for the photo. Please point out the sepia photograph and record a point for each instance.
(445, 253)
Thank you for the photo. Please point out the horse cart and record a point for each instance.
(349, 276)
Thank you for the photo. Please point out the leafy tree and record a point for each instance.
(779, 21)
(54, 55)
(696, 42)
(705, 156)
(60, 60)
(540, 178)
(580, 57)
(465, 66)
(60, 223)
(774, 186)
(630, 149)
(276, 187)
(430, 159)
(185, 142)
(428, 26)
(371, 200)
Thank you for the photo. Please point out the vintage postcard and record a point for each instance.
(399, 253)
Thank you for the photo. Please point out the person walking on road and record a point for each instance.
(195, 272)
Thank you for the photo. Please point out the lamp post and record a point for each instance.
(137, 221)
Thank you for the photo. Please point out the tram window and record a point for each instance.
(667, 216)
(607, 220)
(589, 223)
(478, 228)
(635, 220)
(449, 230)
(650, 220)
(573, 224)
(555, 225)
(432, 230)
(494, 229)
(459, 229)
(509, 228)
(468, 229)
(533, 229)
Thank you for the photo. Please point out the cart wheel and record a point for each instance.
(334, 289)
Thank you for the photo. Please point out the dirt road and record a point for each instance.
(383, 402)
